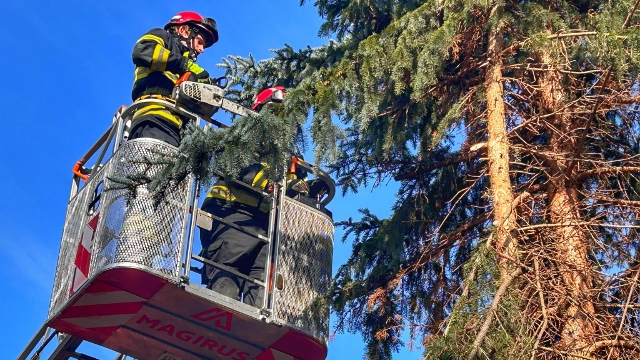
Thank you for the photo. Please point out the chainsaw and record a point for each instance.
(205, 99)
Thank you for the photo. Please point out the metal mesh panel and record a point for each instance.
(76, 219)
(139, 232)
(136, 232)
(304, 261)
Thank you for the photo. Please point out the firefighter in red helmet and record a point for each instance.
(161, 56)
(236, 249)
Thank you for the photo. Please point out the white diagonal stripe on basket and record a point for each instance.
(78, 279)
(110, 297)
(100, 321)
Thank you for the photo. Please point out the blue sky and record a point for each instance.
(67, 67)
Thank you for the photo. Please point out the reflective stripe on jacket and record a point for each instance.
(160, 59)
(157, 110)
(253, 175)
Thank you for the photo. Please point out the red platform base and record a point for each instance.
(144, 316)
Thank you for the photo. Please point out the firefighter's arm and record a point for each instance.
(296, 177)
(254, 175)
(152, 51)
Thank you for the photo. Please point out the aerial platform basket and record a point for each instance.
(123, 278)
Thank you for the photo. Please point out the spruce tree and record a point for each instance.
(512, 127)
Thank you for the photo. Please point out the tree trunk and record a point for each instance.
(571, 242)
(498, 155)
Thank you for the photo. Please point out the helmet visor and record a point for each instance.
(210, 31)
(209, 22)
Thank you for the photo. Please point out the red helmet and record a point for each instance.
(204, 26)
(272, 94)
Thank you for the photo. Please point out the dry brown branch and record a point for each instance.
(580, 33)
(572, 72)
(578, 224)
(624, 311)
(476, 152)
(613, 170)
(627, 344)
(614, 201)
(572, 34)
(543, 308)
(569, 354)
(627, 21)
(580, 146)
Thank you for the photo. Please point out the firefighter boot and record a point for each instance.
(225, 284)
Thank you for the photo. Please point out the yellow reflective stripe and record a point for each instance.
(164, 114)
(260, 175)
(260, 180)
(160, 58)
(221, 191)
(171, 76)
(146, 110)
(159, 97)
(150, 107)
(152, 38)
(141, 73)
(164, 59)
(155, 58)
(159, 111)
(257, 177)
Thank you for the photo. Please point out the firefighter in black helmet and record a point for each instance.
(161, 56)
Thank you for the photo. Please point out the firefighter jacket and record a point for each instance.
(252, 175)
(160, 60)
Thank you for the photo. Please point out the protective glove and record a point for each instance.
(298, 185)
(317, 187)
(201, 75)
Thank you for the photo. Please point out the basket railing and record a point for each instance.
(159, 237)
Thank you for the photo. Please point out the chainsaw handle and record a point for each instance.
(77, 171)
(294, 163)
(183, 78)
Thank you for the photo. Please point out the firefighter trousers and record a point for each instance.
(235, 249)
(155, 127)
